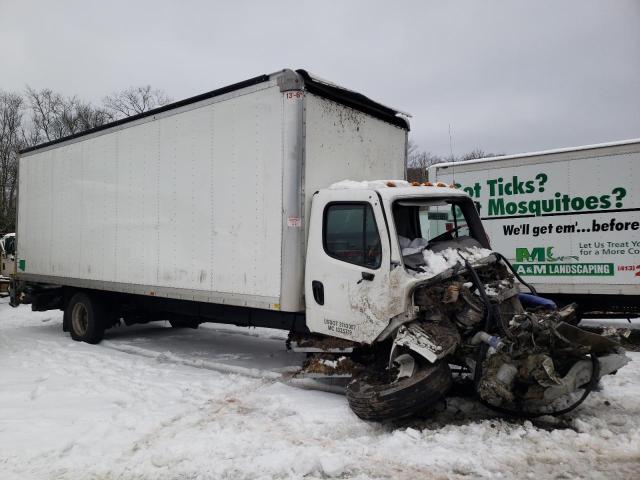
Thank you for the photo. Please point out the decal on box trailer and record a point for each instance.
(541, 255)
(294, 94)
(576, 218)
(541, 261)
(295, 222)
(500, 204)
(588, 269)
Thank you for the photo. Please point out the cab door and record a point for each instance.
(347, 288)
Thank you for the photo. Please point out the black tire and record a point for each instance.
(183, 324)
(86, 318)
(371, 400)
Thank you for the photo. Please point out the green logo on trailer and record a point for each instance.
(540, 261)
(540, 254)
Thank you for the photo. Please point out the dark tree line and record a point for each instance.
(419, 161)
(36, 116)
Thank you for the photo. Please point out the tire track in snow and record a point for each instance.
(229, 411)
(286, 377)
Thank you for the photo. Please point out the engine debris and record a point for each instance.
(532, 355)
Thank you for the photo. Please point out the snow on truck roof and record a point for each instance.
(399, 188)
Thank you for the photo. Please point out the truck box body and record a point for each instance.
(205, 199)
(568, 219)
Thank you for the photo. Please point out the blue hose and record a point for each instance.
(532, 301)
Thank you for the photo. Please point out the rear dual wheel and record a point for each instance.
(378, 397)
(86, 318)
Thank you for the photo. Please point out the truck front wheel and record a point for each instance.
(85, 318)
(374, 397)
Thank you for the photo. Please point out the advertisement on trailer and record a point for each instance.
(572, 221)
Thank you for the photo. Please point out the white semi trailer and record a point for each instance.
(569, 220)
(227, 207)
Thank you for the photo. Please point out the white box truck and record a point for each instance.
(227, 207)
(568, 219)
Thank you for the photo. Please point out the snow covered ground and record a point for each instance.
(152, 402)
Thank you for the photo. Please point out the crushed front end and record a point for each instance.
(523, 354)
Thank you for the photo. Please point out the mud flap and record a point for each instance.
(14, 293)
(431, 341)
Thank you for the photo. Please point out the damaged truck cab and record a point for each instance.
(407, 270)
(359, 279)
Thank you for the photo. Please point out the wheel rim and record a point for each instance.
(406, 366)
(79, 319)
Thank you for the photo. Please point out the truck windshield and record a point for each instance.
(436, 225)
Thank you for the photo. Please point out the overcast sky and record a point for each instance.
(508, 76)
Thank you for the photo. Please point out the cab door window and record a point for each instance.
(350, 234)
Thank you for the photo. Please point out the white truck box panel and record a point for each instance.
(606, 172)
(343, 143)
(189, 201)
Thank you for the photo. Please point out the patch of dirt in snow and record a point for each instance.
(71, 410)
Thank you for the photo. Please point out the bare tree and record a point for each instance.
(135, 100)
(46, 109)
(79, 116)
(412, 149)
(54, 116)
(477, 153)
(11, 140)
(419, 161)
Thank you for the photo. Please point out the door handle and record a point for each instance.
(367, 276)
(318, 291)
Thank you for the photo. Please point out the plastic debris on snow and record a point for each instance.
(367, 185)
(436, 263)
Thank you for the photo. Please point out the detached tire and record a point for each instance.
(371, 400)
(85, 317)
